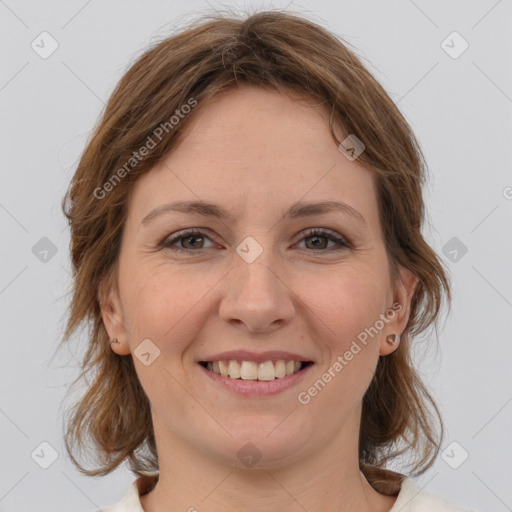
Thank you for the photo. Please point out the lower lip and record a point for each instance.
(257, 388)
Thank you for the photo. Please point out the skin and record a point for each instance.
(256, 152)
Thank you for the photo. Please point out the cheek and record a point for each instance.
(164, 304)
(340, 308)
(345, 307)
(344, 303)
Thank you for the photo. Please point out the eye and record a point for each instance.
(316, 235)
(190, 240)
(193, 240)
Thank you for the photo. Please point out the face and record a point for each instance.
(270, 281)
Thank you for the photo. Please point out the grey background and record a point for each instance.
(460, 109)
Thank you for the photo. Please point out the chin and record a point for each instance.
(267, 447)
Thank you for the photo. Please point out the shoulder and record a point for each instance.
(409, 497)
(412, 499)
(131, 500)
(129, 503)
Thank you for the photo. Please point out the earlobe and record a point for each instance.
(404, 292)
(119, 347)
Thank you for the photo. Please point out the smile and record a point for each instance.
(252, 370)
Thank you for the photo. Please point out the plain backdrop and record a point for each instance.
(454, 89)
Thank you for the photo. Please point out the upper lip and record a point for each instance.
(245, 355)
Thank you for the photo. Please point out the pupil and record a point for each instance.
(193, 238)
(315, 241)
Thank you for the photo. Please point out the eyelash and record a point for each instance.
(343, 243)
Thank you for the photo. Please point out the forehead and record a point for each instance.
(255, 147)
(255, 118)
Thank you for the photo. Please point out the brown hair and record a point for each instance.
(278, 51)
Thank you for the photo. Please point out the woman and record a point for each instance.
(246, 240)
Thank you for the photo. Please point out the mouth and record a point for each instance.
(256, 371)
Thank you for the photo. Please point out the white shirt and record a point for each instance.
(409, 499)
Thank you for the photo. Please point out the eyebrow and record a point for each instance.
(296, 210)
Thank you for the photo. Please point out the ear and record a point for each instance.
(111, 312)
(400, 310)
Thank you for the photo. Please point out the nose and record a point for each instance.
(256, 296)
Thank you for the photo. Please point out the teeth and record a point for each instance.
(251, 370)
(266, 371)
(234, 369)
(280, 369)
(224, 368)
